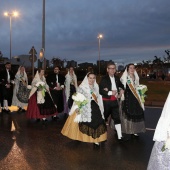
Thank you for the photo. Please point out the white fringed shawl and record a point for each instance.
(67, 84)
(40, 98)
(125, 77)
(18, 79)
(84, 89)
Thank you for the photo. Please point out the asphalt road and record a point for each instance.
(32, 146)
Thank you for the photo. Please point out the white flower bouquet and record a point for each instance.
(142, 90)
(80, 100)
(29, 87)
(41, 87)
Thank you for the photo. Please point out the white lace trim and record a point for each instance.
(86, 110)
(67, 84)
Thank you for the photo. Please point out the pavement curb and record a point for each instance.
(154, 103)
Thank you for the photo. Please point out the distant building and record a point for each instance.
(103, 66)
(39, 64)
(22, 60)
(3, 60)
(43, 64)
(47, 62)
(121, 68)
(85, 65)
(56, 61)
(71, 63)
(103, 63)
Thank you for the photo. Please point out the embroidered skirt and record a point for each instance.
(38, 111)
(23, 93)
(94, 131)
(132, 114)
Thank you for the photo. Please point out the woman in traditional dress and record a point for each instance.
(40, 105)
(132, 120)
(70, 86)
(21, 92)
(160, 156)
(87, 124)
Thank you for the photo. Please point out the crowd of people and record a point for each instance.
(52, 95)
(115, 101)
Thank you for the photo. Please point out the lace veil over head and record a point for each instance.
(125, 75)
(19, 73)
(35, 81)
(84, 89)
(85, 83)
(67, 83)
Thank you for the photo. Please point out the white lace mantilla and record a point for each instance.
(86, 110)
(159, 160)
(85, 115)
(40, 97)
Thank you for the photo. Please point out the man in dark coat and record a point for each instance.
(111, 89)
(56, 84)
(6, 87)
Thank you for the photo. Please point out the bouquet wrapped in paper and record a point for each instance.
(142, 90)
(80, 101)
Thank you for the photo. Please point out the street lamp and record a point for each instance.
(10, 15)
(41, 55)
(42, 51)
(100, 36)
(41, 58)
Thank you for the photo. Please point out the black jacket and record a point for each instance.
(51, 80)
(4, 77)
(106, 83)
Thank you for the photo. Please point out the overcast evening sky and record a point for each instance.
(134, 30)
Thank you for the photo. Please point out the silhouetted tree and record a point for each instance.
(167, 59)
(157, 61)
(56, 61)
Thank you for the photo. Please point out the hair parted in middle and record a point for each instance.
(91, 72)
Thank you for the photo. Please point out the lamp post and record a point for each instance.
(100, 36)
(32, 58)
(42, 51)
(10, 15)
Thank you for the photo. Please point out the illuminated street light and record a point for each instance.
(41, 55)
(41, 58)
(10, 15)
(100, 36)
